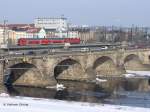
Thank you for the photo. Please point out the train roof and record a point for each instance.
(48, 38)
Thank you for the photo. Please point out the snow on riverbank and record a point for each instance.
(139, 73)
(24, 104)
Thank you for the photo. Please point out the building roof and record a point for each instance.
(1, 25)
(33, 30)
(51, 18)
(11, 26)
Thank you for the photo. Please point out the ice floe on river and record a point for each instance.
(139, 73)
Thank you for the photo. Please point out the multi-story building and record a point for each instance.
(55, 27)
(1, 35)
(35, 33)
(51, 23)
(14, 35)
(4, 34)
(84, 33)
(73, 34)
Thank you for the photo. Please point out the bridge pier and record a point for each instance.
(90, 73)
(3, 89)
(1, 73)
(2, 86)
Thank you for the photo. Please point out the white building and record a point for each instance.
(73, 34)
(31, 33)
(57, 25)
(41, 33)
(51, 23)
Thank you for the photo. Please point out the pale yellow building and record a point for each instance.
(7, 36)
(12, 37)
(1, 35)
(86, 36)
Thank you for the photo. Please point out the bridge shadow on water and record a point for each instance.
(127, 92)
(84, 92)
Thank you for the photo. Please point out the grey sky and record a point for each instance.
(92, 12)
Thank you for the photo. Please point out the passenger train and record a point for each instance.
(47, 41)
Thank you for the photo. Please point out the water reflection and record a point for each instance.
(113, 91)
(75, 91)
(61, 94)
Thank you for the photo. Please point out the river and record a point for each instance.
(128, 92)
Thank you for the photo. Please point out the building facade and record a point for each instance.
(51, 23)
(55, 27)
(73, 34)
(84, 33)
(1, 35)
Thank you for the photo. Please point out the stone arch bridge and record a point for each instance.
(45, 70)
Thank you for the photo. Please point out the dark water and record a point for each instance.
(133, 92)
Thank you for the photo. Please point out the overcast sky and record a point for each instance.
(91, 12)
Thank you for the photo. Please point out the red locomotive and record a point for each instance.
(46, 41)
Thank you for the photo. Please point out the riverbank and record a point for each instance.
(26, 104)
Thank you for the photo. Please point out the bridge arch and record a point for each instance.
(21, 74)
(149, 57)
(132, 62)
(68, 69)
(100, 61)
(105, 66)
(131, 57)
